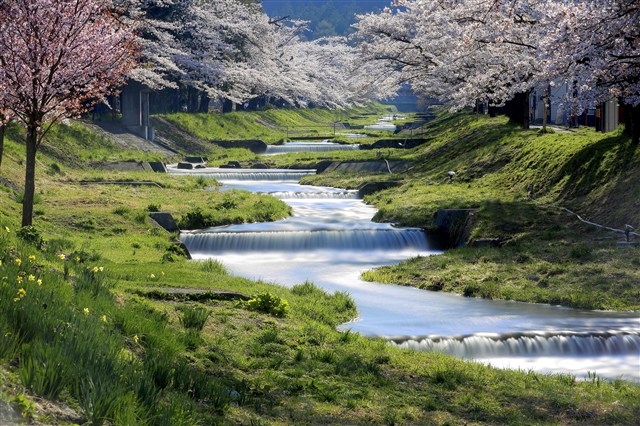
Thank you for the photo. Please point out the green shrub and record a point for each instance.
(153, 207)
(195, 219)
(194, 317)
(213, 266)
(31, 235)
(581, 252)
(172, 251)
(121, 210)
(141, 217)
(269, 304)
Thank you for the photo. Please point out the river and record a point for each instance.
(331, 239)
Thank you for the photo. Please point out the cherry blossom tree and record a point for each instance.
(459, 51)
(596, 47)
(57, 58)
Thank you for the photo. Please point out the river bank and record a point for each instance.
(517, 248)
(244, 366)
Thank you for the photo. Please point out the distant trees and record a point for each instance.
(462, 51)
(327, 18)
(57, 57)
(231, 50)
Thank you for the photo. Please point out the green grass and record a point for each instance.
(87, 337)
(270, 125)
(250, 366)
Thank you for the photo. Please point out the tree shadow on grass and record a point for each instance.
(597, 164)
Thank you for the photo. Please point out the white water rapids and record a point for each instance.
(330, 240)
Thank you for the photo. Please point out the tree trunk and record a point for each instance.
(518, 109)
(227, 106)
(30, 174)
(545, 111)
(632, 123)
(3, 127)
(192, 99)
(204, 103)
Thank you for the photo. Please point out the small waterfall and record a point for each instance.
(529, 344)
(324, 195)
(309, 147)
(382, 125)
(331, 239)
(256, 175)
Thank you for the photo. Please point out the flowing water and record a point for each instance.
(309, 146)
(330, 240)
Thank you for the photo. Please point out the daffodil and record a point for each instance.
(136, 338)
(6, 228)
(32, 258)
(18, 261)
(31, 278)
(152, 276)
(103, 318)
(100, 268)
(78, 259)
(39, 282)
(20, 279)
(62, 256)
(95, 269)
(86, 311)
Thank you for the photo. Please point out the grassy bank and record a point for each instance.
(273, 125)
(80, 334)
(104, 323)
(542, 254)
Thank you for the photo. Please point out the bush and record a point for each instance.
(31, 235)
(153, 207)
(195, 219)
(121, 211)
(581, 252)
(269, 304)
(213, 266)
(194, 318)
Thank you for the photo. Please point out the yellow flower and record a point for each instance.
(18, 261)
(22, 293)
(103, 318)
(86, 311)
(100, 268)
(32, 258)
(39, 282)
(135, 338)
(162, 273)
(6, 228)
(0, 262)
(78, 259)
(31, 278)
(62, 256)
(152, 276)
(20, 279)
(95, 269)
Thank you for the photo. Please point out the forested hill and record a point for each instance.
(327, 17)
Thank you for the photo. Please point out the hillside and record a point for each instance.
(326, 17)
(105, 322)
